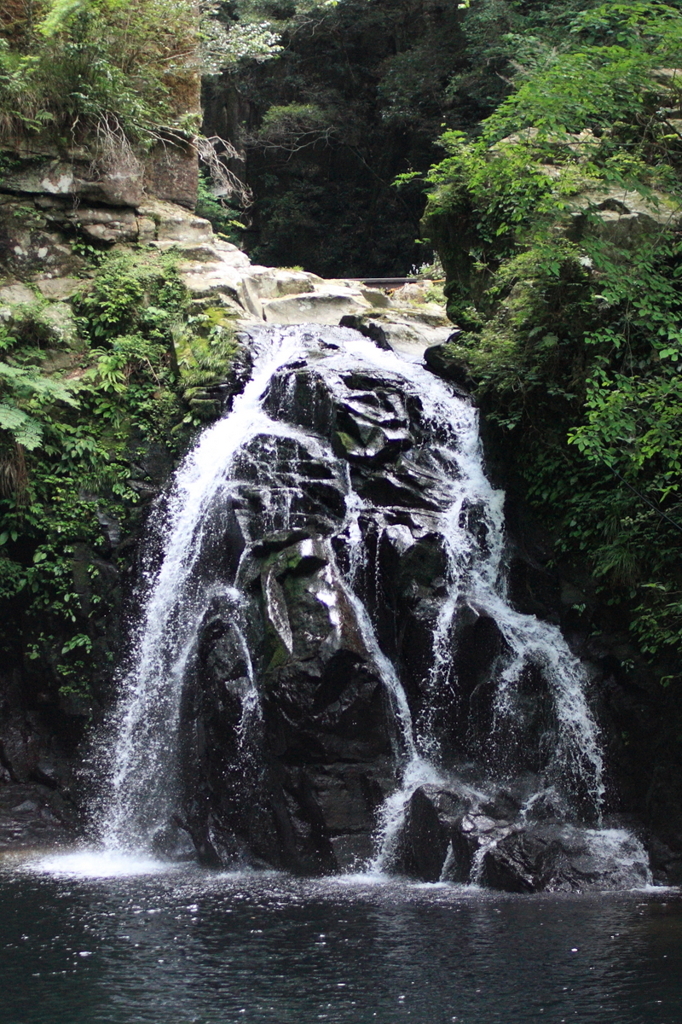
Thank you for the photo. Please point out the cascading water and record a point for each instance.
(143, 782)
(328, 643)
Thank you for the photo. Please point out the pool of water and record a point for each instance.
(86, 941)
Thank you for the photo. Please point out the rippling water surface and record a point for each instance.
(85, 943)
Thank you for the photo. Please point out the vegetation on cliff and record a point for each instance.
(356, 95)
(359, 93)
(559, 223)
(99, 391)
(96, 70)
(94, 407)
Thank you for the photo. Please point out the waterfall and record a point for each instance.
(330, 551)
(143, 781)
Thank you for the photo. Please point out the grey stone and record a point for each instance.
(15, 294)
(622, 217)
(315, 307)
(171, 173)
(61, 321)
(58, 288)
(174, 224)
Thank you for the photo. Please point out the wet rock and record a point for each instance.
(369, 329)
(302, 396)
(521, 862)
(287, 484)
(290, 776)
(445, 363)
(423, 841)
(349, 797)
(666, 862)
(35, 816)
(275, 542)
(441, 834)
(565, 859)
(469, 835)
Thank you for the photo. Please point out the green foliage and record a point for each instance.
(356, 96)
(133, 292)
(27, 396)
(100, 66)
(293, 126)
(206, 345)
(572, 329)
(225, 41)
(223, 215)
(69, 443)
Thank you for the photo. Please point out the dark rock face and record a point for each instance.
(37, 806)
(423, 840)
(442, 361)
(299, 785)
(34, 816)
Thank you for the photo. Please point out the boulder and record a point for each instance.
(59, 318)
(376, 297)
(453, 833)
(15, 294)
(369, 329)
(444, 833)
(622, 217)
(443, 361)
(565, 859)
(314, 307)
(175, 225)
(58, 289)
(423, 841)
(470, 835)
(521, 862)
